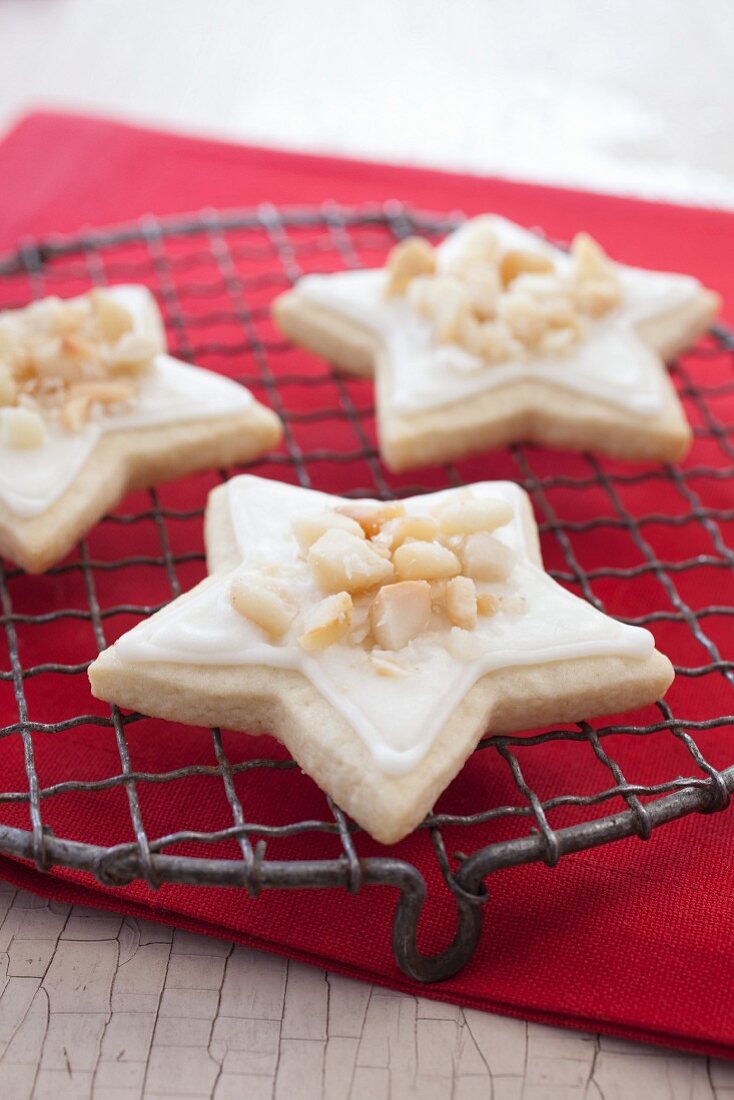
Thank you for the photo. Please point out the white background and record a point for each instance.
(625, 95)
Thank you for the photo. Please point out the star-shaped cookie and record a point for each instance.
(92, 407)
(496, 336)
(378, 642)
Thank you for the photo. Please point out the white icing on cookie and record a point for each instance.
(610, 363)
(399, 717)
(171, 392)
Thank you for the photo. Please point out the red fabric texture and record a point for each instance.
(631, 939)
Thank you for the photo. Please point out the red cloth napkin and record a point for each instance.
(631, 939)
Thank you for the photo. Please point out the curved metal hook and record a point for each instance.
(410, 882)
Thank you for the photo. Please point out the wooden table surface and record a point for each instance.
(92, 1005)
(100, 1006)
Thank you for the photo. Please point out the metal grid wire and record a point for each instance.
(237, 262)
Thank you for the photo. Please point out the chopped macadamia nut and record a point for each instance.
(597, 296)
(449, 312)
(470, 333)
(75, 412)
(427, 292)
(487, 604)
(370, 517)
(60, 356)
(496, 342)
(597, 284)
(592, 261)
(106, 392)
(523, 316)
(132, 354)
(410, 258)
(42, 316)
(82, 396)
(21, 429)
(263, 602)
(558, 311)
(428, 561)
(378, 543)
(521, 262)
(465, 517)
(11, 351)
(8, 386)
(557, 341)
(400, 612)
(327, 622)
(483, 243)
(70, 318)
(68, 355)
(415, 528)
(113, 320)
(501, 307)
(485, 558)
(359, 626)
(543, 287)
(483, 289)
(340, 561)
(421, 293)
(461, 602)
(480, 247)
(308, 529)
(438, 594)
(76, 350)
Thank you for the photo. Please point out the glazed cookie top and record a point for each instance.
(74, 370)
(392, 610)
(495, 304)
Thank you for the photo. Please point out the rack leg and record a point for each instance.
(434, 968)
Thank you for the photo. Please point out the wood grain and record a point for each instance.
(99, 1007)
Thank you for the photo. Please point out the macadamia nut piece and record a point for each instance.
(341, 561)
(400, 612)
(327, 622)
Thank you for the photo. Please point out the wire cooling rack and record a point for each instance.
(214, 275)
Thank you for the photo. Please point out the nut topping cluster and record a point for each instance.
(500, 305)
(387, 577)
(67, 361)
